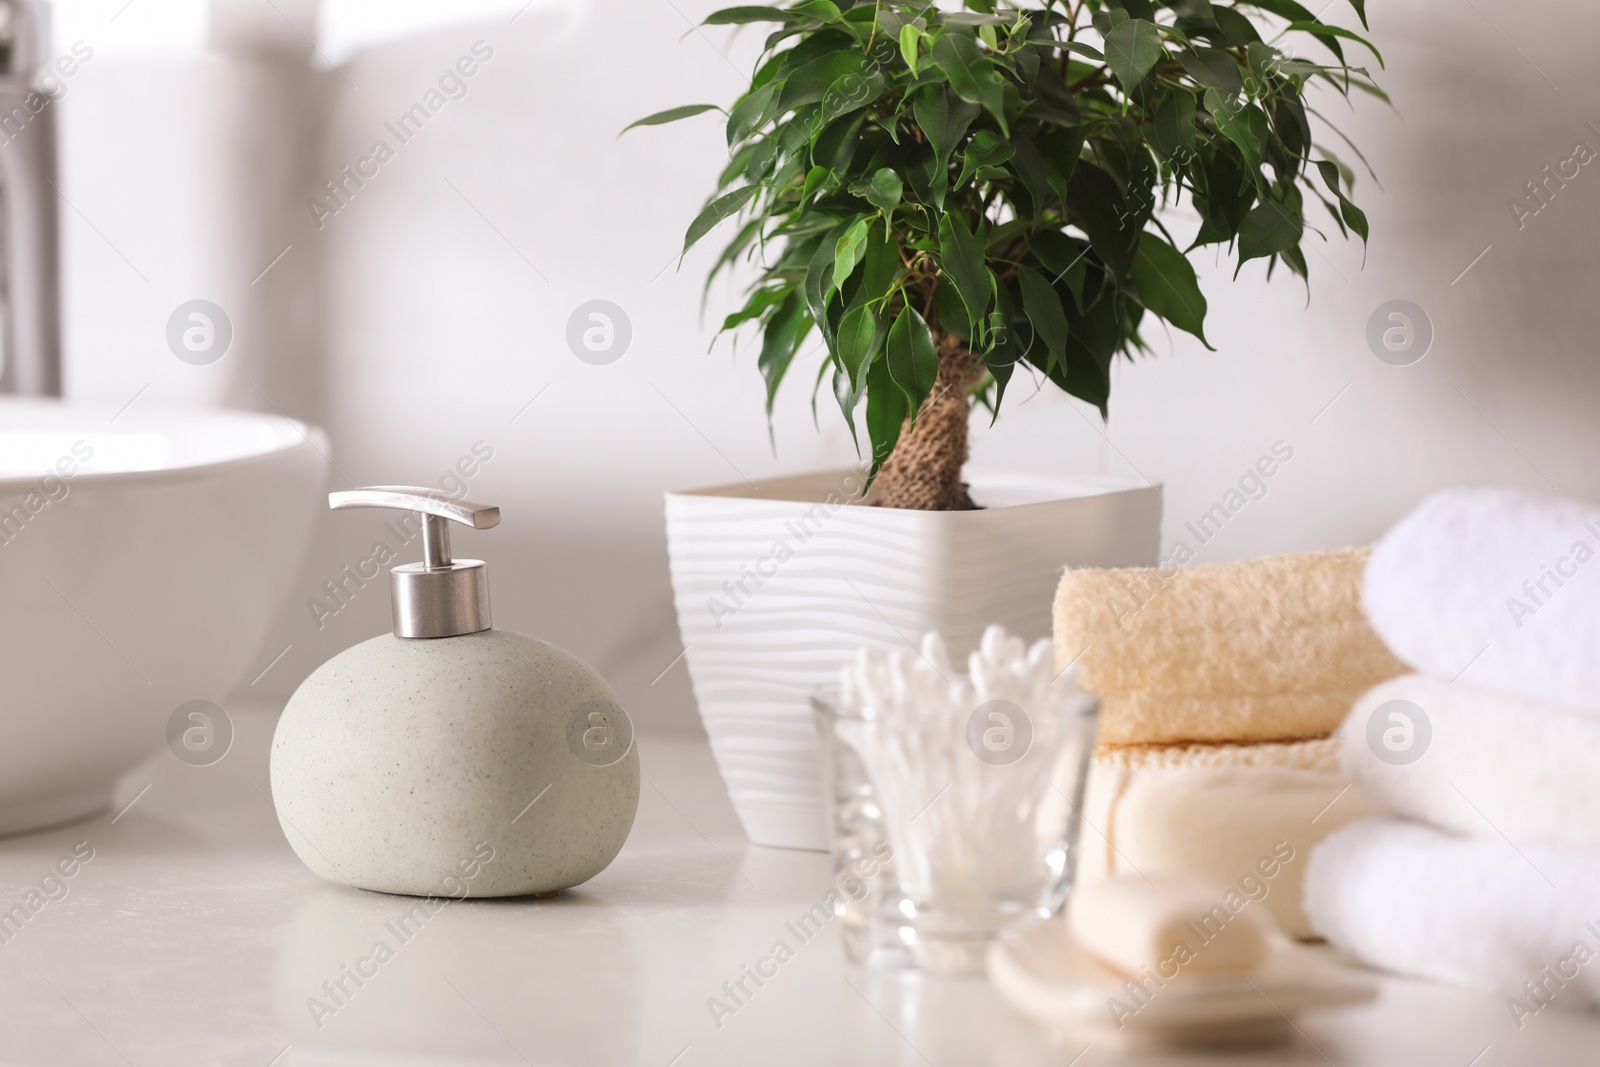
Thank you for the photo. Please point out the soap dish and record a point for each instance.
(1045, 975)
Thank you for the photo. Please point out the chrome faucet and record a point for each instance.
(29, 230)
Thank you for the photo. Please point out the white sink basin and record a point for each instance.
(142, 557)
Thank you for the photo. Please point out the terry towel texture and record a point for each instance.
(1498, 587)
(1470, 911)
(1494, 597)
(1261, 650)
(1217, 811)
(1493, 765)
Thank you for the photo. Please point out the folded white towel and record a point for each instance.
(1475, 912)
(1498, 587)
(1477, 763)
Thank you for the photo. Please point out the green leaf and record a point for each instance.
(1054, 101)
(909, 36)
(821, 10)
(1322, 31)
(944, 122)
(1269, 229)
(836, 146)
(848, 93)
(672, 114)
(740, 242)
(1061, 150)
(879, 267)
(1293, 127)
(1237, 31)
(913, 362)
(884, 191)
(1109, 19)
(861, 333)
(1353, 216)
(1223, 196)
(1001, 360)
(951, 313)
(762, 158)
(1226, 112)
(812, 81)
(886, 412)
(750, 113)
(972, 74)
(1087, 50)
(715, 212)
(738, 161)
(1029, 166)
(1167, 286)
(1173, 130)
(1212, 67)
(1055, 250)
(1132, 50)
(848, 396)
(1284, 9)
(1300, 66)
(1113, 225)
(984, 150)
(759, 301)
(814, 179)
(1074, 276)
(1293, 12)
(1001, 367)
(961, 257)
(1197, 10)
(849, 251)
(734, 16)
(929, 184)
(1361, 12)
(1296, 260)
(1097, 334)
(1264, 64)
(785, 330)
(819, 281)
(1043, 306)
(974, 18)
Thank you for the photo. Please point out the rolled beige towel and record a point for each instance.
(1245, 816)
(1271, 649)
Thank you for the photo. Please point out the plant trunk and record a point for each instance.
(924, 470)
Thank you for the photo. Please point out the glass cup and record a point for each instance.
(948, 833)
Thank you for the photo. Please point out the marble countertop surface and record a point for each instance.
(193, 936)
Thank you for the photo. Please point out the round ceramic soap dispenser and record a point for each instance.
(450, 758)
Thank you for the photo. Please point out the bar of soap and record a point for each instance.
(1174, 925)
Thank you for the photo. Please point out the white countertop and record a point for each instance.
(193, 935)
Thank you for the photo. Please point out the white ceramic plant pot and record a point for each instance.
(776, 587)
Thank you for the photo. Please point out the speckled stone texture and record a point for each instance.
(409, 766)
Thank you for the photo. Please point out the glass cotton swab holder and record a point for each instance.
(954, 799)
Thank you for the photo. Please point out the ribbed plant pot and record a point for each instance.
(777, 586)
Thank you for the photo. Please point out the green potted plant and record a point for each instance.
(951, 198)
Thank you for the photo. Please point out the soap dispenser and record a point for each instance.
(450, 758)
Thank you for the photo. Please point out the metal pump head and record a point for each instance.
(439, 597)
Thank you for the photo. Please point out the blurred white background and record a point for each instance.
(425, 315)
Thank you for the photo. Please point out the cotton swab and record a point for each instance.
(978, 836)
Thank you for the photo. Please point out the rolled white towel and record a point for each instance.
(1498, 587)
(1477, 763)
(1475, 912)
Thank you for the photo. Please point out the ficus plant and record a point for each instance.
(948, 195)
